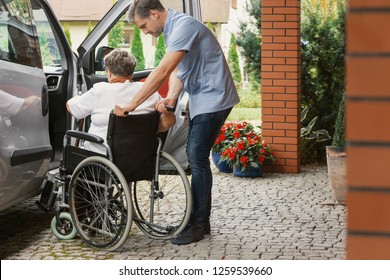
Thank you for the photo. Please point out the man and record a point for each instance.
(194, 61)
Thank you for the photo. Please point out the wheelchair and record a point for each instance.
(99, 196)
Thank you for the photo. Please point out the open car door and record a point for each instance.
(37, 71)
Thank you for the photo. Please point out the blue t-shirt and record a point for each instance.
(203, 70)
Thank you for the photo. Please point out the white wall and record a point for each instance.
(236, 15)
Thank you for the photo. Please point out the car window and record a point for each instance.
(51, 58)
(18, 36)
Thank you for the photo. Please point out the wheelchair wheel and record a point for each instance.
(163, 208)
(100, 204)
(67, 230)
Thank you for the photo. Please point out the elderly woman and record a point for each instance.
(102, 97)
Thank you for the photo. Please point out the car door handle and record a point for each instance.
(45, 100)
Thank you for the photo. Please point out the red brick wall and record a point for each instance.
(368, 129)
(281, 81)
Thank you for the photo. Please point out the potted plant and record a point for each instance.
(336, 157)
(229, 132)
(247, 153)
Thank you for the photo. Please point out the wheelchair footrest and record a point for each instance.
(48, 196)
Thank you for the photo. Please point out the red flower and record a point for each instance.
(252, 142)
(240, 145)
(237, 134)
(224, 153)
(261, 158)
(244, 159)
(231, 153)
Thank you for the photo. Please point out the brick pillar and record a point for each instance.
(368, 130)
(281, 81)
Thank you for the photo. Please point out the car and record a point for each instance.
(39, 72)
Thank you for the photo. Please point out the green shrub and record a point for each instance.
(233, 61)
(339, 130)
(137, 49)
(89, 28)
(67, 33)
(323, 71)
(115, 38)
(160, 50)
(249, 41)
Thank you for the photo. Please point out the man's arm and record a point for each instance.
(175, 88)
(155, 80)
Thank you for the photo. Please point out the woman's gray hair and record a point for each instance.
(141, 8)
(120, 63)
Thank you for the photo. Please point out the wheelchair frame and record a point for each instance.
(96, 201)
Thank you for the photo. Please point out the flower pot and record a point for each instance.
(251, 172)
(336, 158)
(221, 166)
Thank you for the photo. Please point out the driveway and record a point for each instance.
(278, 216)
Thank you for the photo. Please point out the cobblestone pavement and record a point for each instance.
(278, 216)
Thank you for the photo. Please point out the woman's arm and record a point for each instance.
(167, 119)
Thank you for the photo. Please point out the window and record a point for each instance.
(18, 35)
(48, 45)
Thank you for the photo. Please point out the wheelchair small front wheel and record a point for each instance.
(64, 230)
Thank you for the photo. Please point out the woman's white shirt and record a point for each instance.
(101, 99)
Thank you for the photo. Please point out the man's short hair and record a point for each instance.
(141, 8)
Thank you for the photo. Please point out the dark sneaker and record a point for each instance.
(189, 235)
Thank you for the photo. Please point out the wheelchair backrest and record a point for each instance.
(133, 141)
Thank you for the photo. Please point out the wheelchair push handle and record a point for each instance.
(168, 107)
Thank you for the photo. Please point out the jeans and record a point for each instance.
(203, 131)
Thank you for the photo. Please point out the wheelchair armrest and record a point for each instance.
(85, 136)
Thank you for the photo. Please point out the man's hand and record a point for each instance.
(123, 110)
(169, 101)
(161, 108)
(165, 105)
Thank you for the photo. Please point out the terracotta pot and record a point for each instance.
(336, 158)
